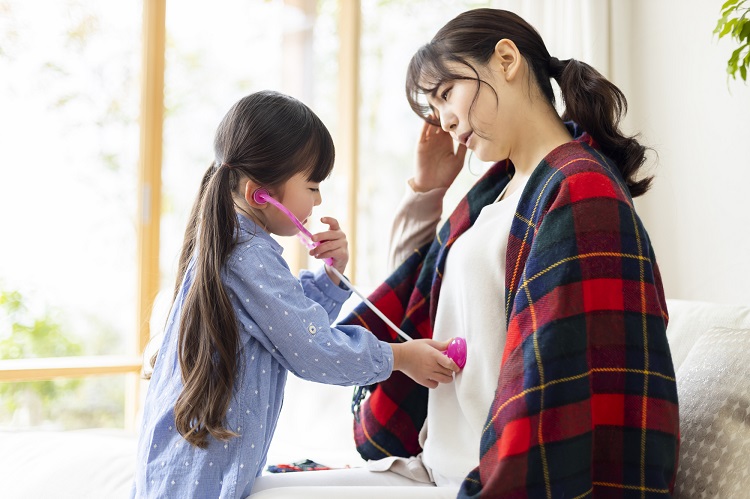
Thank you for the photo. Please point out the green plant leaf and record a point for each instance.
(728, 3)
(728, 27)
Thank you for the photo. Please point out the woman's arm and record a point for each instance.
(437, 165)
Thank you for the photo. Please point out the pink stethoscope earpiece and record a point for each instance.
(456, 348)
(261, 196)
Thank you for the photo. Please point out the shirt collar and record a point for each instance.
(249, 229)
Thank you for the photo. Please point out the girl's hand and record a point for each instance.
(424, 362)
(437, 163)
(333, 244)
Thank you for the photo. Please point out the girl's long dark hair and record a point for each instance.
(267, 137)
(592, 101)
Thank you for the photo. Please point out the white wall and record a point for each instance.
(698, 213)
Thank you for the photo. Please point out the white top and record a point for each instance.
(472, 305)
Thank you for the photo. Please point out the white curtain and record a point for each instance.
(592, 31)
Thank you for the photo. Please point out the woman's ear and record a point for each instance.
(506, 59)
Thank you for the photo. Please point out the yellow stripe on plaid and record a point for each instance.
(631, 487)
(567, 379)
(582, 256)
(369, 439)
(540, 368)
(644, 320)
(533, 214)
(524, 220)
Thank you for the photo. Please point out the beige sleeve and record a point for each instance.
(415, 223)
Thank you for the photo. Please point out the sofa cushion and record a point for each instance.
(713, 385)
(688, 320)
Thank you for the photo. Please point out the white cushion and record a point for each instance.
(67, 464)
(688, 320)
(713, 386)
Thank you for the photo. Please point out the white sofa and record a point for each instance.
(711, 350)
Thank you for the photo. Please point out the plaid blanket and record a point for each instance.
(586, 401)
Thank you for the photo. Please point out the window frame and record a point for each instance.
(150, 193)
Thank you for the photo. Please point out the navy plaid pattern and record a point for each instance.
(586, 403)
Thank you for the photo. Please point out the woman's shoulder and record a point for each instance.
(579, 170)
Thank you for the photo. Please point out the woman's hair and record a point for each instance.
(590, 100)
(267, 137)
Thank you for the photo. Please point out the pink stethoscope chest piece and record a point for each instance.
(457, 351)
(456, 348)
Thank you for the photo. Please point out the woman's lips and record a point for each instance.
(465, 138)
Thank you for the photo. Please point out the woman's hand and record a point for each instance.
(437, 163)
(333, 244)
(424, 362)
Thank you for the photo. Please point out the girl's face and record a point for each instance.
(484, 128)
(299, 195)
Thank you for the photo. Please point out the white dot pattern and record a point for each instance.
(286, 312)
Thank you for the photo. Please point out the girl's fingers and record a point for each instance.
(331, 222)
(329, 235)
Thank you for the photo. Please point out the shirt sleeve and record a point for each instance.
(415, 223)
(319, 287)
(295, 328)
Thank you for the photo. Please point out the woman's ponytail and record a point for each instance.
(590, 100)
(597, 105)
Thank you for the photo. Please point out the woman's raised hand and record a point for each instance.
(437, 162)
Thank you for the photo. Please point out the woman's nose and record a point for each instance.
(448, 122)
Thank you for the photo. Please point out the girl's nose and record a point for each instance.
(318, 199)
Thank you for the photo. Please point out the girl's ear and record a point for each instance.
(250, 188)
(506, 59)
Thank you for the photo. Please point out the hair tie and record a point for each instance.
(556, 67)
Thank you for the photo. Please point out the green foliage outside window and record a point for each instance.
(735, 22)
(26, 336)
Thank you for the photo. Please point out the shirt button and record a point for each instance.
(311, 328)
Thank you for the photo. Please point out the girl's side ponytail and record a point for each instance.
(188, 247)
(209, 337)
(597, 105)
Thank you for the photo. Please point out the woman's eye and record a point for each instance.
(445, 93)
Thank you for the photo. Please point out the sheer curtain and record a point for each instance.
(593, 31)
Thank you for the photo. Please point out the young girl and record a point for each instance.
(240, 320)
(547, 271)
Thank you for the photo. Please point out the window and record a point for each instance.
(69, 125)
(69, 185)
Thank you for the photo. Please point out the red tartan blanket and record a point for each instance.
(586, 402)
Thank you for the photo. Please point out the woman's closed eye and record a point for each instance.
(444, 95)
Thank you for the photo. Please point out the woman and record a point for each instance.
(544, 267)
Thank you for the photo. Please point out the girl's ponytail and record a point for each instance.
(597, 105)
(209, 336)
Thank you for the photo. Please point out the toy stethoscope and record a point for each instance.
(456, 349)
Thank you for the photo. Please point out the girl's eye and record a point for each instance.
(314, 189)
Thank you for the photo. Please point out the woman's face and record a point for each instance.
(483, 128)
